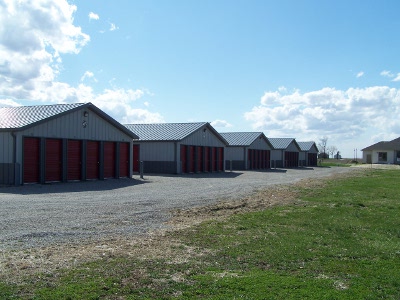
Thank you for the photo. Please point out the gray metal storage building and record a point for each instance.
(309, 153)
(176, 148)
(285, 153)
(63, 142)
(247, 151)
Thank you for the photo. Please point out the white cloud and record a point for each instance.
(93, 16)
(343, 115)
(113, 27)
(220, 124)
(30, 50)
(87, 75)
(282, 89)
(397, 78)
(33, 37)
(8, 103)
(118, 103)
(360, 74)
(386, 73)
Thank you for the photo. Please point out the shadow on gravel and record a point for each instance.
(71, 187)
(305, 169)
(275, 171)
(226, 174)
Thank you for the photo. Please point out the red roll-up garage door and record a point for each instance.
(92, 160)
(250, 159)
(109, 160)
(291, 159)
(124, 160)
(136, 163)
(220, 159)
(191, 159)
(214, 159)
(206, 159)
(183, 158)
(31, 160)
(262, 159)
(312, 159)
(53, 161)
(200, 159)
(74, 160)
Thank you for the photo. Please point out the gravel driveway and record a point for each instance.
(40, 215)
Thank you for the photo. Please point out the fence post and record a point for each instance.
(141, 168)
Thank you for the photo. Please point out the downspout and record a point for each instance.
(177, 163)
(14, 158)
(14, 147)
(245, 157)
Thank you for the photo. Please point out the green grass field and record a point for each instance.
(337, 241)
(331, 162)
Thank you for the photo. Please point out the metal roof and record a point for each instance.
(281, 143)
(164, 131)
(22, 116)
(306, 146)
(384, 145)
(241, 138)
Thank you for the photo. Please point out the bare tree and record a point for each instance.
(322, 145)
(331, 150)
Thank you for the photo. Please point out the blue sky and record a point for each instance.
(301, 69)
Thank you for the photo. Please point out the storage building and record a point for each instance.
(285, 153)
(247, 151)
(63, 142)
(309, 154)
(176, 148)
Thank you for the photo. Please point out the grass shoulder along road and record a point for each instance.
(337, 239)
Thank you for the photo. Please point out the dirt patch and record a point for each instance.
(16, 265)
(378, 166)
(281, 195)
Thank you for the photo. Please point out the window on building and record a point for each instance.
(382, 156)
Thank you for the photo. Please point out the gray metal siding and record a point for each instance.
(260, 144)
(303, 155)
(276, 154)
(6, 147)
(70, 126)
(203, 138)
(164, 167)
(235, 153)
(303, 158)
(236, 165)
(8, 170)
(292, 148)
(157, 151)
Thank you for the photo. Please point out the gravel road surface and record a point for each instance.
(41, 215)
